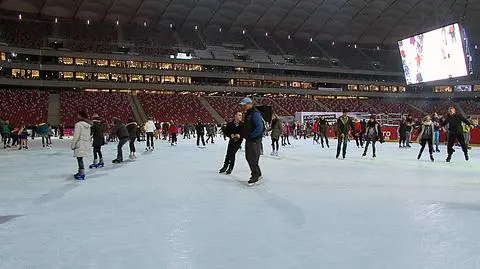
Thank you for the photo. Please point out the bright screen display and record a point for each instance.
(463, 88)
(434, 55)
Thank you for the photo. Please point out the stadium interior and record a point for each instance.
(184, 60)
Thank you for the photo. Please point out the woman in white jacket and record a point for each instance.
(81, 143)
(149, 130)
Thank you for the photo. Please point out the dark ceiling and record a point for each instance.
(359, 21)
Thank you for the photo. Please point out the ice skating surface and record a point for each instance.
(171, 209)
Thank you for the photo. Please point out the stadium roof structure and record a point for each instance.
(356, 21)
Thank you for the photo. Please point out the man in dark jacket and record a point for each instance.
(132, 128)
(322, 130)
(455, 132)
(344, 125)
(253, 129)
(200, 129)
(121, 132)
(232, 130)
(98, 130)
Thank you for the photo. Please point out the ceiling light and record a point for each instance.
(118, 22)
(243, 31)
(19, 16)
(311, 39)
(333, 43)
(220, 29)
(88, 21)
(289, 37)
(196, 27)
(355, 46)
(56, 20)
(171, 25)
(145, 24)
(266, 33)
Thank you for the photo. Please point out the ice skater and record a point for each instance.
(121, 132)
(373, 133)
(276, 131)
(436, 131)
(455, 132)
(409, 129)
(132, 128)
(344, 125)
(210, 133)
(200, 129)
(253, 134)
(23, 134)
(173, 130)
(286, 132)
(402, 134)
(426, 136)
(98, 135)
(322, 131)
(233, 130)
(81, 143)
(150, 130)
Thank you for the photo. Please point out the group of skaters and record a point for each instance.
(18, 136)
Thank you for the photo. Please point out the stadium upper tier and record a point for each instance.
(106, 38)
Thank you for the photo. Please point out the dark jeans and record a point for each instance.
(423, 142)
(210, 137)
(323, 136)
(316, 137)
(373, 142)
(174, 138)
(403, 140)
(97, 153)
(285, 140)
(200, 136)
(233, 147)
(45, 139)
(252, 154)
(359, 140)
(6, 138)
(274, 144)
(150, 140)
(132, 144)
(121, 142)
(342, 141)
(80, 163)
(451, 141)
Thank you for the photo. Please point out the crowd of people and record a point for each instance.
(91, 133)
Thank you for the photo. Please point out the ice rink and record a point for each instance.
(171, 209)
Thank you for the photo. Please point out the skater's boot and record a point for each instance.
(431, 158)
(80, 175)
(130, 156)
(100, 164)
(93, 165)
(229, 170)
(436, 149)
(374, 155)
(419, 156)
(223, 169)
(449, 158)
(117, 161)
(364, 154)
(466, 156)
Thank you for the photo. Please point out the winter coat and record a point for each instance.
(454, 122)
(119, 129)
(322, 126)
(427, 131)
(466, 128)
(344, 125)
(149, 127)
(373, 132)
(286, 129)
(132, 128)
(172, 129)
(276, 128)
(42, 129)
(200, 128)
(233, 128)
(254, 125)
(97, 131)
(81, 140)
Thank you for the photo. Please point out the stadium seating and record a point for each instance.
(182, 108)
(224, 105)
(106, 105)
(27, 107)
(431, 106)
(470, 107)
(297, 104)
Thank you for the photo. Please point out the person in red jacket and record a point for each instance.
(316, 136)
(358, 133)
(173, 130)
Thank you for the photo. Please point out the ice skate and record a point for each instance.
(449, 158)
(117, 161)
(467, 157)
(229, 171)
(374, 156)
(100, 164)
(254, 181)
(93, 165)
(79, 176)
(364, 154)
(431, 158)
(223, 169)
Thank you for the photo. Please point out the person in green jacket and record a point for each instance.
(276, 128)
(344, 125)
(6, 134)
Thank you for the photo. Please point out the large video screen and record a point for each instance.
(434, 55)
